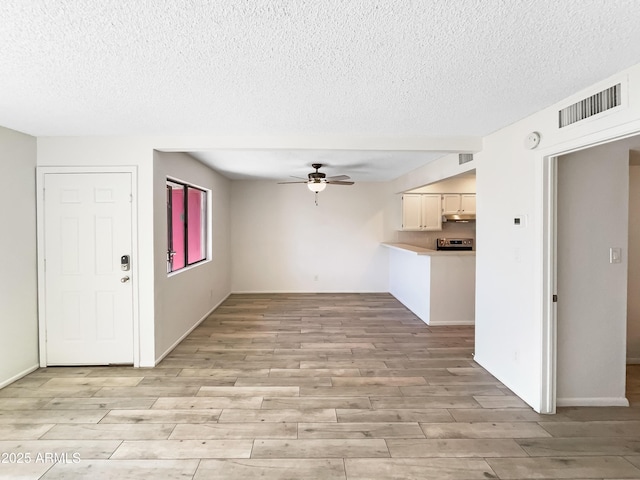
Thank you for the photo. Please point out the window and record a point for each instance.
(187, 225)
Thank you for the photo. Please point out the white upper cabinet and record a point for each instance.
(411, 211)
(431, 212)
(455, 203)
(421, 212)
(468, 203)
(450, 203)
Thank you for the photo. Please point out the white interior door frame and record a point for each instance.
(549, 253)
(42, 314)
(549, 325)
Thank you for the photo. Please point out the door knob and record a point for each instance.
(124, 279)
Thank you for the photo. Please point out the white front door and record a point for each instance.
(88, 296)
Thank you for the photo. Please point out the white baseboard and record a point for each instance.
(186, 334)
(593, 402)
(452, 324)
(633, 361)
(17, 377)
(287, 292)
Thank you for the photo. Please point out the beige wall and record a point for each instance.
(592, 292)
(184, 298)
(283, 242)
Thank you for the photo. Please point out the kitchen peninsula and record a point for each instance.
(438, 286)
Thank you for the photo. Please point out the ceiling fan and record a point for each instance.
(318, 181)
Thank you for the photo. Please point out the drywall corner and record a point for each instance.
(18, 275)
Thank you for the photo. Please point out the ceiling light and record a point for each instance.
(316, 186)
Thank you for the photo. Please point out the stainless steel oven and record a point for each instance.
(454, 244)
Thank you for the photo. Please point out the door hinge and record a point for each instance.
(555, 298)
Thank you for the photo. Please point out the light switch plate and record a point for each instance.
(615, 255)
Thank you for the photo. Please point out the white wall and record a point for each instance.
(18, 273)
(438, 170)
(510, 262)
(633, 286)
(453, 289)
(439, 289)
(465, 183)
(186, 297)
(410, 281)
(510, 302)
(283, 242)
(592, 216)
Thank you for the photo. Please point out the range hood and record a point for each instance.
(459, 217)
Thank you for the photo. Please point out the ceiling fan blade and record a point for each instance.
(299, 178)
(339, 182)
(338, 178)
(282, 183)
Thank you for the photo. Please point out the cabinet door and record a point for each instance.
(467, 203)
(431, 212)
(411, 211)
(450, 203)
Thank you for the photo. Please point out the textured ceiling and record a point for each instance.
(363, 166)
(389, 68)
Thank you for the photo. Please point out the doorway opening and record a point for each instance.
(593, 256)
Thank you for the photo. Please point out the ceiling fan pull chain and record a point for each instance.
(316, 199)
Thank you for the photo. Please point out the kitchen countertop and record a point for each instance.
(426, 251)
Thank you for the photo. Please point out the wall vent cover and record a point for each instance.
(590, 106)
(464, 158)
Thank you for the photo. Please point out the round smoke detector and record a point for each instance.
(532, 140)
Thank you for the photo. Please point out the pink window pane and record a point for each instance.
(177, 227)
(196, 225)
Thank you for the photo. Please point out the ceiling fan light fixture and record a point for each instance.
(316, 186)
(317, 181)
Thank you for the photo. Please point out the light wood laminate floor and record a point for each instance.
(307, 386)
